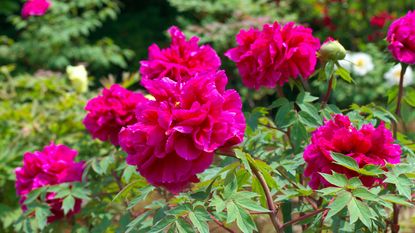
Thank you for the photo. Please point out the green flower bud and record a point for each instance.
(332, 50)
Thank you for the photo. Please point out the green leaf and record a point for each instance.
(402, 183)
(137, 222)
(183, 227)
(128, 172)
(278, 103)
(329, 68)
(127, 188)
(285, 116)
(298, 134)
(201, 226)
(245, 158)
(344, 74)
(202, 195)
(329, 191)
(68, 204)
(339, 203)
(345, 161)
(305, 97)
(359, 210)
(312, 111)
(33, 195)
(231, 185)
(266, 171)
(41, 216)
(199, 219)
(162, 224)
(79, 191)
(218, 203)
(337, 179)
(243, 199)
(395, 199)
(364, 194)
(371, 170)
(307, 120)
(144, 192)
(243, 220)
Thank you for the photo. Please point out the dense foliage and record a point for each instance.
(249, 116)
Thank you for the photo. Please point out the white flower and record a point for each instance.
(394, 74)
(79, 77)
(361, 63)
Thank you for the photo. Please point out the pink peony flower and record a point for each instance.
(35, 8)
(368, 145)
(54, 165)
(401, 38)
(176, 135)
(111, 111)
(275, 54)
(181, 61)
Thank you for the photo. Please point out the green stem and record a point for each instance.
(327, 96)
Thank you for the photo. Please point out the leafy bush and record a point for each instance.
(61, 38)
(332, 152)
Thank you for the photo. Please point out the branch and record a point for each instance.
(220, 224)
(327, 96)
(270, 202)
(303, 217)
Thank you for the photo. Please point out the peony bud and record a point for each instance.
(332, 50)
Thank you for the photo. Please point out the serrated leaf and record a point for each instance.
(162, 224)
(137, 221)
(68, 204)
(307, 120)
(344, 74)
(231, 185)
(183, 227)
(364, 194)
(198, 222)
(359, 210)
(144, 192)
(312, 111)
(245, 158)
(329, 191)
(285, 116)
(339, 203)
(266, 170)
(41, 216)
(395, 199)
(328, 69)
(33, 195)
(305, 97)
(402, 183)
(218, 203)
(128, 172)
(345, 161)
(336, 179)
(278, 103)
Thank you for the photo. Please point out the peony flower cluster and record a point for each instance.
(393, 76)
(401, 38)
(181, 61)
(176, 135)
(54, 165)
(110, 111)
(35, 8)
(368, 145)
(274, 54)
